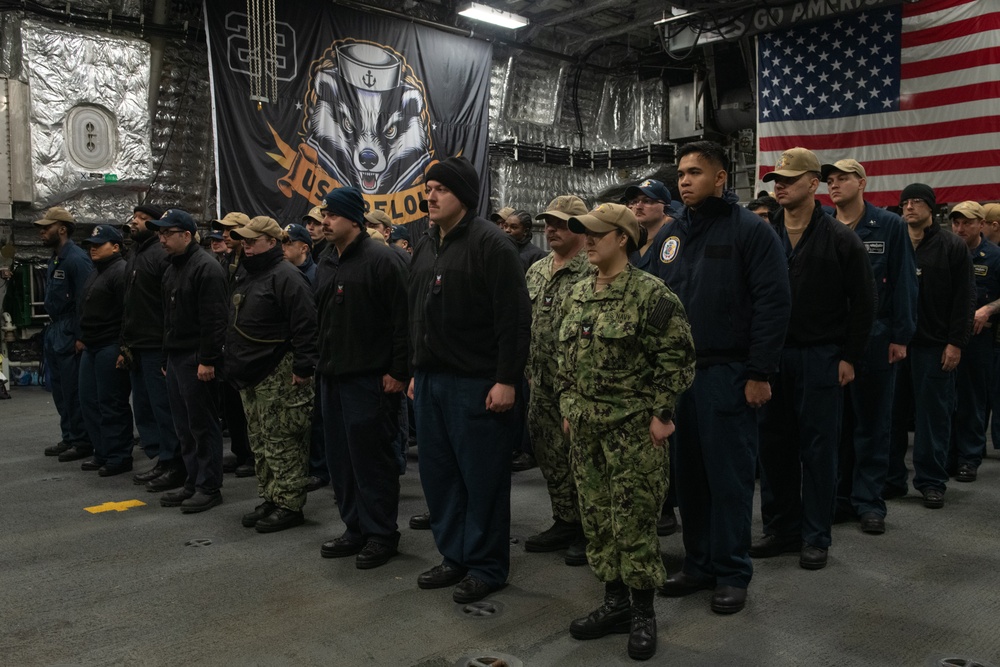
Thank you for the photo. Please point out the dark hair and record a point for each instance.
(524, 217)
(630, 245)
(710, 150)
(765, 201)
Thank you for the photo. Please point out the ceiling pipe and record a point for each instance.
(461, 31)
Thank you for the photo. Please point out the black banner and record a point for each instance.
(354, 99)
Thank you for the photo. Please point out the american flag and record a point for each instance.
(909, 91)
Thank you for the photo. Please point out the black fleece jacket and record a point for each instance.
(142, 321)
(833, 288)
(194, 305)
(946, 292)
(469, 308)
(271, 313)
(103, 297)
(361, 297)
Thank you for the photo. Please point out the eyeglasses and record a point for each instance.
(169, 232)
(597, 236)
(644, 201)
(252, 241)
(911, 202)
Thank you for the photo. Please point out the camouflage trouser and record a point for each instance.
(552, 453)
(279, 420)
(622, 480)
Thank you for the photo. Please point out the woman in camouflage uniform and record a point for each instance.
(625, 355)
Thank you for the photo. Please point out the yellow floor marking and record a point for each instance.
(114, 507)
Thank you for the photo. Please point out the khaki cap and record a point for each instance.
(992, 212)
(234, 219)
(377, 236)
(794, 162)
(377, 217)
(968, 209)
(606, 218)
(502, 214)
(54, 215)
(315, 214)
(848, 166)
(259, 226)
(563, 207)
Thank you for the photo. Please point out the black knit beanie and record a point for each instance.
(458, 175)
(918, 191)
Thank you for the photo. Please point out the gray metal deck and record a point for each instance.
(122, 588)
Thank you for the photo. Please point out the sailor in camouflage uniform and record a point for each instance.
(271, 357)
(625, 354)
(549, 282)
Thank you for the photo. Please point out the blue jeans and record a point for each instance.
(864, 446)
(361, 422)
(934, 403)
(716, 462)
(465, 471)
(64, 380)
(799, 437)
(104, 392)
(152, 407)
(196, 421)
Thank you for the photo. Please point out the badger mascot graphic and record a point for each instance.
(366, 116)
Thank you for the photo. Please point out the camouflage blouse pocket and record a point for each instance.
(534, 290)
(617, 345)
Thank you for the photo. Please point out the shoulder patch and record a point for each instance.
(668, 251)
(661, 314)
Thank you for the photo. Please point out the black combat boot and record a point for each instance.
(642, 636)
(560, 535)
(612, 616)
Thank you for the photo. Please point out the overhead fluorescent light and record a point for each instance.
(480, 12)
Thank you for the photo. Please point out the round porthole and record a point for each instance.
(91, 137)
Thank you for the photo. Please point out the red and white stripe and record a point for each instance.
(947, 131)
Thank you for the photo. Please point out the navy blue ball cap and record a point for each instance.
(104, 234)
(651, 188)
(399, 232)
(176, 217)
(298, 233)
